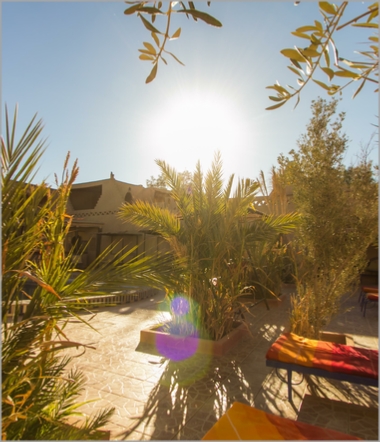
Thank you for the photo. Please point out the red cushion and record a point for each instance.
(370, 288)
(294, 349)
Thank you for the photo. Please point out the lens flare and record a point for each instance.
(181, 341)
(180, 306)
(177, 347)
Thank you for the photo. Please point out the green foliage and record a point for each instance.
(306, 61)
(267, 264)
(320, 55)
(339, 217)
(39, 393)
(268, 261)
(209, 238)
(156, 51)
(160, 180)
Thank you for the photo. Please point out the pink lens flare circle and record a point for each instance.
(177, 347)
(180, 306)
(174, 346)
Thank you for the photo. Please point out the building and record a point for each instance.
(278, 202)
(95, 206)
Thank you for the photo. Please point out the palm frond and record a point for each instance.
(151, 217)
(38, 392)
(20, 161)
(213, 239)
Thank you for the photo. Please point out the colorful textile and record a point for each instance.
(294, 349)
(370, 288)
(242, 422)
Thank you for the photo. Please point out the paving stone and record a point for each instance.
(159, 399)
(346, 417)
(189, 433)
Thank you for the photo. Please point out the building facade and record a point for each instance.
(94, 207)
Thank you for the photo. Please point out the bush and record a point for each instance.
(339, 219)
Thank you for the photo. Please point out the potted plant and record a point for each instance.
(209, 237)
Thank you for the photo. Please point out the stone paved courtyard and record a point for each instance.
(159, 399)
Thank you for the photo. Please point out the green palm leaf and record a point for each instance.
(39, 393)
(211, 235)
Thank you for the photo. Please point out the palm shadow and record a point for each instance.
(191, 394)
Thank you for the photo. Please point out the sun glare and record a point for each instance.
(193, 126)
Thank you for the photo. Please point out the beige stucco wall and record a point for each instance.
(110, 201)
(107, 226)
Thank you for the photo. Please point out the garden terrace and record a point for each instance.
(156, 398)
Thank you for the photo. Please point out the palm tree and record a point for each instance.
(209, 238)
(38, 392)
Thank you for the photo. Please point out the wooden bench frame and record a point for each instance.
(320, 373)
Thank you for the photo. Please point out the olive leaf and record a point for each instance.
(202, 16)
(276, 106)
(152, 74)
(176, 34)
(150, 53)
(328, 7)
(317, 55)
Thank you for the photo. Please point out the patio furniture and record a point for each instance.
(321, 358)
(369, 297)
(367, 289)
(242, 422)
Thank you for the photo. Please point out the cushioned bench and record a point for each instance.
(326, 359)
(242, 422)
(369, 297)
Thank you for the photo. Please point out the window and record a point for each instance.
(86, 197)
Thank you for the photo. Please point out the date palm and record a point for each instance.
(208, 237)
(38, 391)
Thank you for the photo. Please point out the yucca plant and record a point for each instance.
(38, 392)
(208, 237)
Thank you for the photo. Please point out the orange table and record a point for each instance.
(242, 422)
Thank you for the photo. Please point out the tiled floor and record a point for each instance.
(159, 399)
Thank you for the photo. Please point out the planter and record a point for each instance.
(181, 347)
(337, 338)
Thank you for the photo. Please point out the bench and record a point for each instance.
(325, 359)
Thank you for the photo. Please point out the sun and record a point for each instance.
(193, 125)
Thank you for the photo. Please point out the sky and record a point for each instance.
(76, 64)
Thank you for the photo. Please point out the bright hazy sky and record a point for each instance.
(76, 64)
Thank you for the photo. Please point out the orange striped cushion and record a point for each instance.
(294, 349)
(242, 422)
(370, 288)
